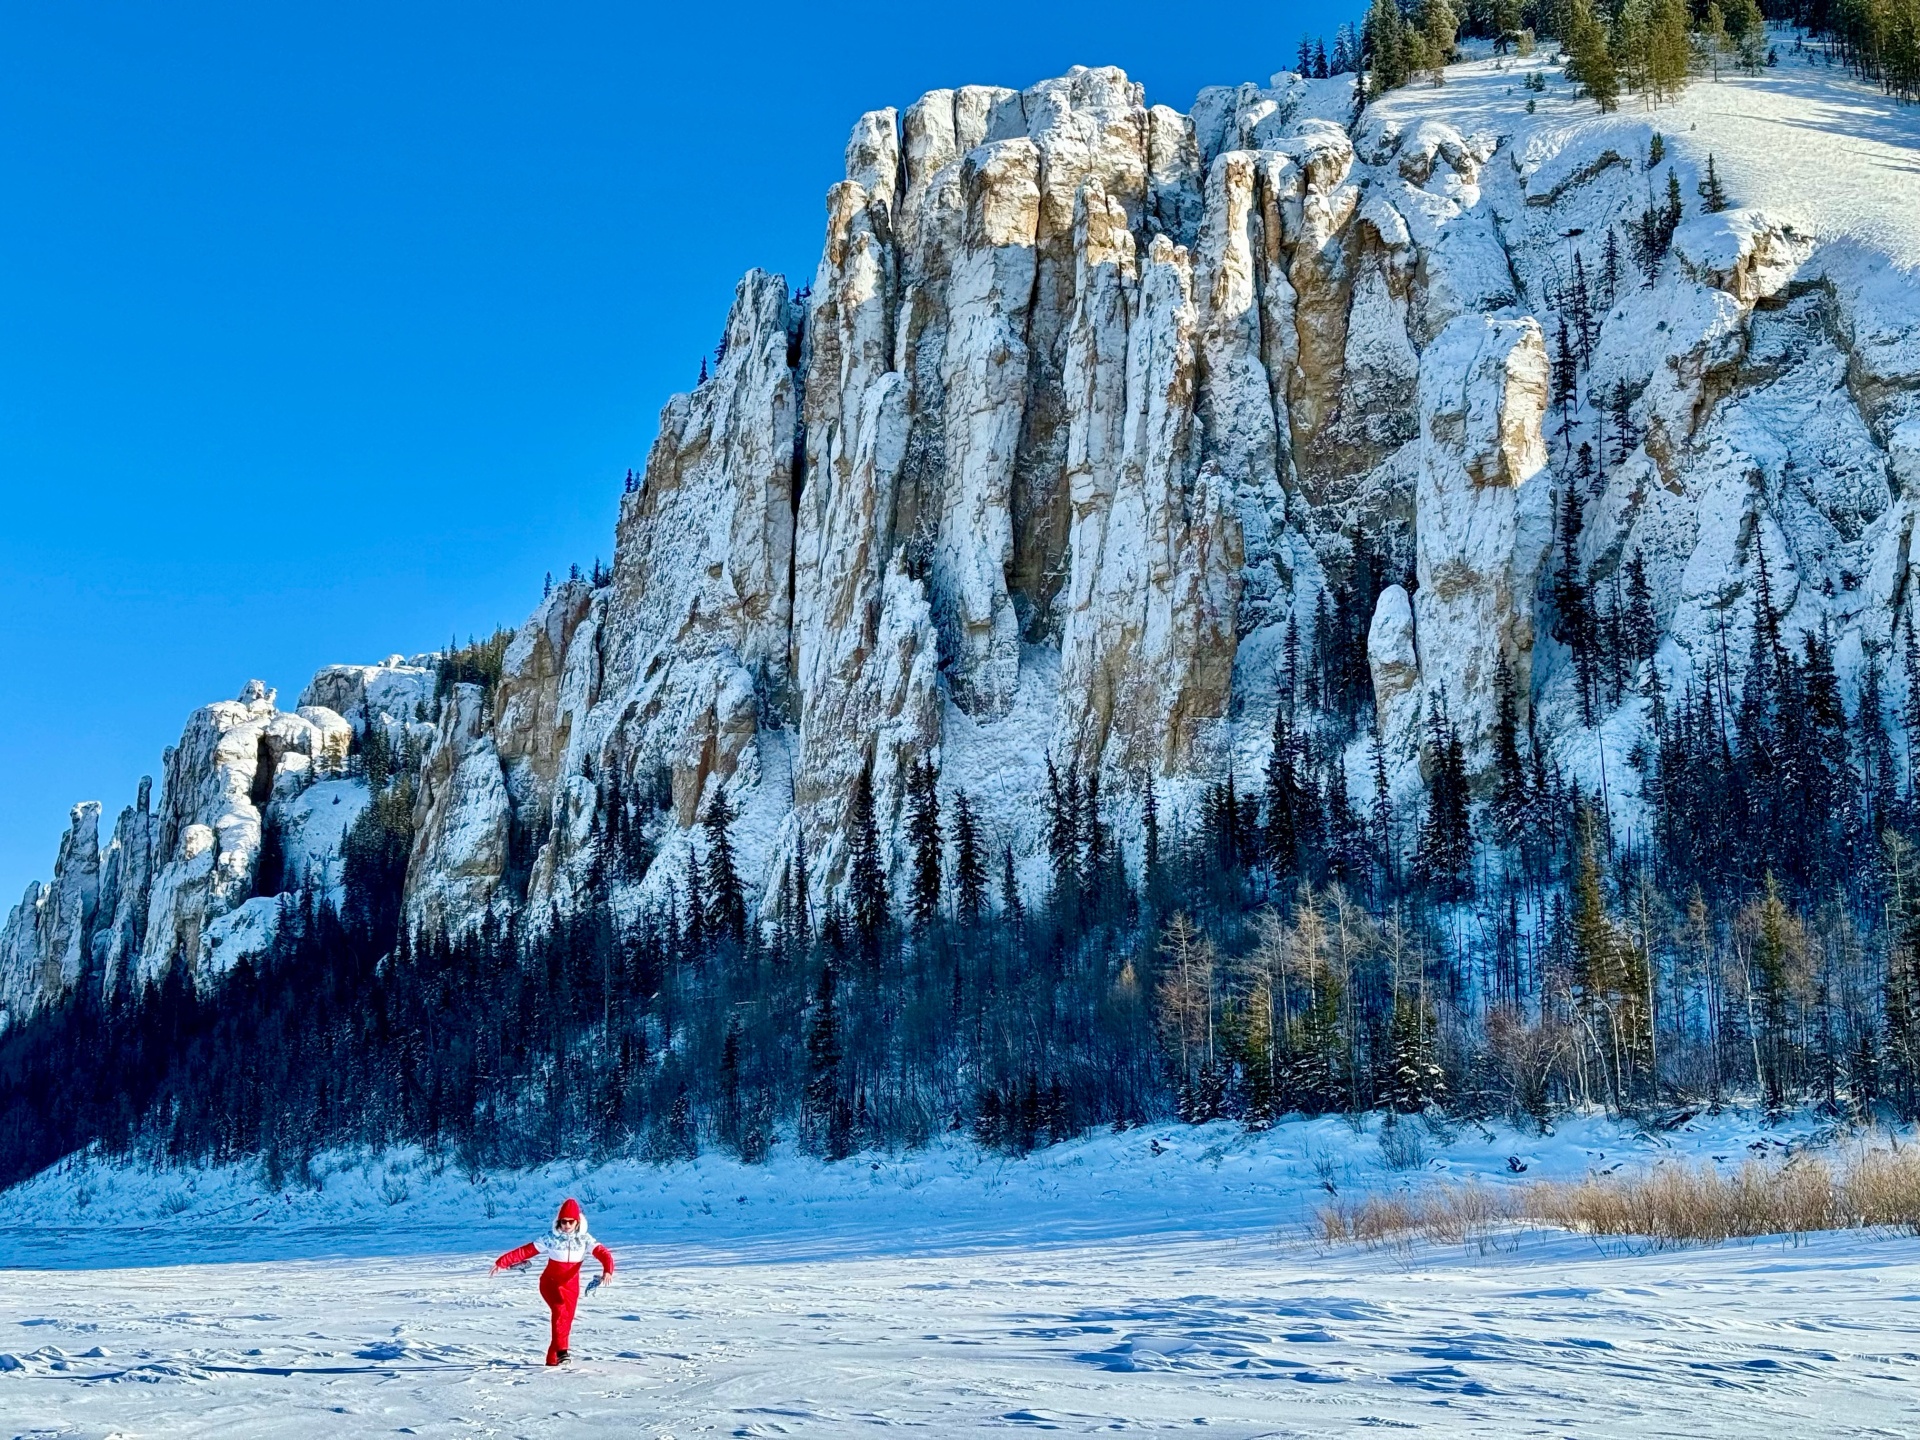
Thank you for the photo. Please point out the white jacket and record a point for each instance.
(567, 1249)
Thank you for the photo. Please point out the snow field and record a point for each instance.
(1135, 1282)
(1241, 1336)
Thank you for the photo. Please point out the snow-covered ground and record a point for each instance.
(1140, 1281)
(1802, 140)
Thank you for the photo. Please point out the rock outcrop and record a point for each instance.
(1483, 515)
(1092, 412)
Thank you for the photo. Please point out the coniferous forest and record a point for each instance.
(1300, 946)
(1302, 941)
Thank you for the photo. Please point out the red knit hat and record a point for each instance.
(569, 1210)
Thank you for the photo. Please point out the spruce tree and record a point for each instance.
(866, 880)
(1610, 270)
(1384, 52)
(1437, 27)
(1010, 908)
(826, 1116)
(1626, 436)
(1668, 51)
(1713, 197)
(799, 911)
(1641, 628)
(694, 937)
(1670, 218)
(1382, 809)
(1062, 815)
(1579, 302)
(1150, 837)
(1590, 62)
(1445, 854)
(1509, 770)
(923, 834)
(1566, 388)
(969, 867)
(726, 902)
(1282, 845)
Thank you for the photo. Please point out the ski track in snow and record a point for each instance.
(1134, 1282)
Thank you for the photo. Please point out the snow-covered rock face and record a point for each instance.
(1483, 514)
(170, 874)
(1087, 404)
(396, 694)
(234, 757)
(461, 817)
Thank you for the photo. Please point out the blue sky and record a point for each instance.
(327, 330)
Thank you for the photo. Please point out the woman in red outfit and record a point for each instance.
(566, 1250)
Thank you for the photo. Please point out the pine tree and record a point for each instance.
(694, 938)
(726, 902)
(1437, 27)
(1566, 391)
(1414, 1079)
(1668, 52)
(1384, 48)
(1901, 990)
(1610, 270)
(799, 911)
(1590, 63)
(1062, 807)
(1096, 841)
(1714, 198)
(1641, 628)
(826, 1115)
(1571, 600)
(1509, 770)
(1345, 48)
(923, 834)
(1580, 310)
(866, 880)
(1626, 435)
(1445, 855)
(1010, 908)
(1320, 71)
(1382, 809)
(1282, 845)
(969, 867)
(1608, 1000)
(1777, 952)
(1150, 837)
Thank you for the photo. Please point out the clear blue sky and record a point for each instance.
(327, 329)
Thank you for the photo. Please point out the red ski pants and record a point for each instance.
(560, 1288)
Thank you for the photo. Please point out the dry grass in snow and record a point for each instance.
(1676, 1204)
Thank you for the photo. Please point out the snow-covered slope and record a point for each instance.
(1085, 403)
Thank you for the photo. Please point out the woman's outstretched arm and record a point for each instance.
(516, 1257)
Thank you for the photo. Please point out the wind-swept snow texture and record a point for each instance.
(1139, 1282)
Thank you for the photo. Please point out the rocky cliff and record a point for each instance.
(1092, 415)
